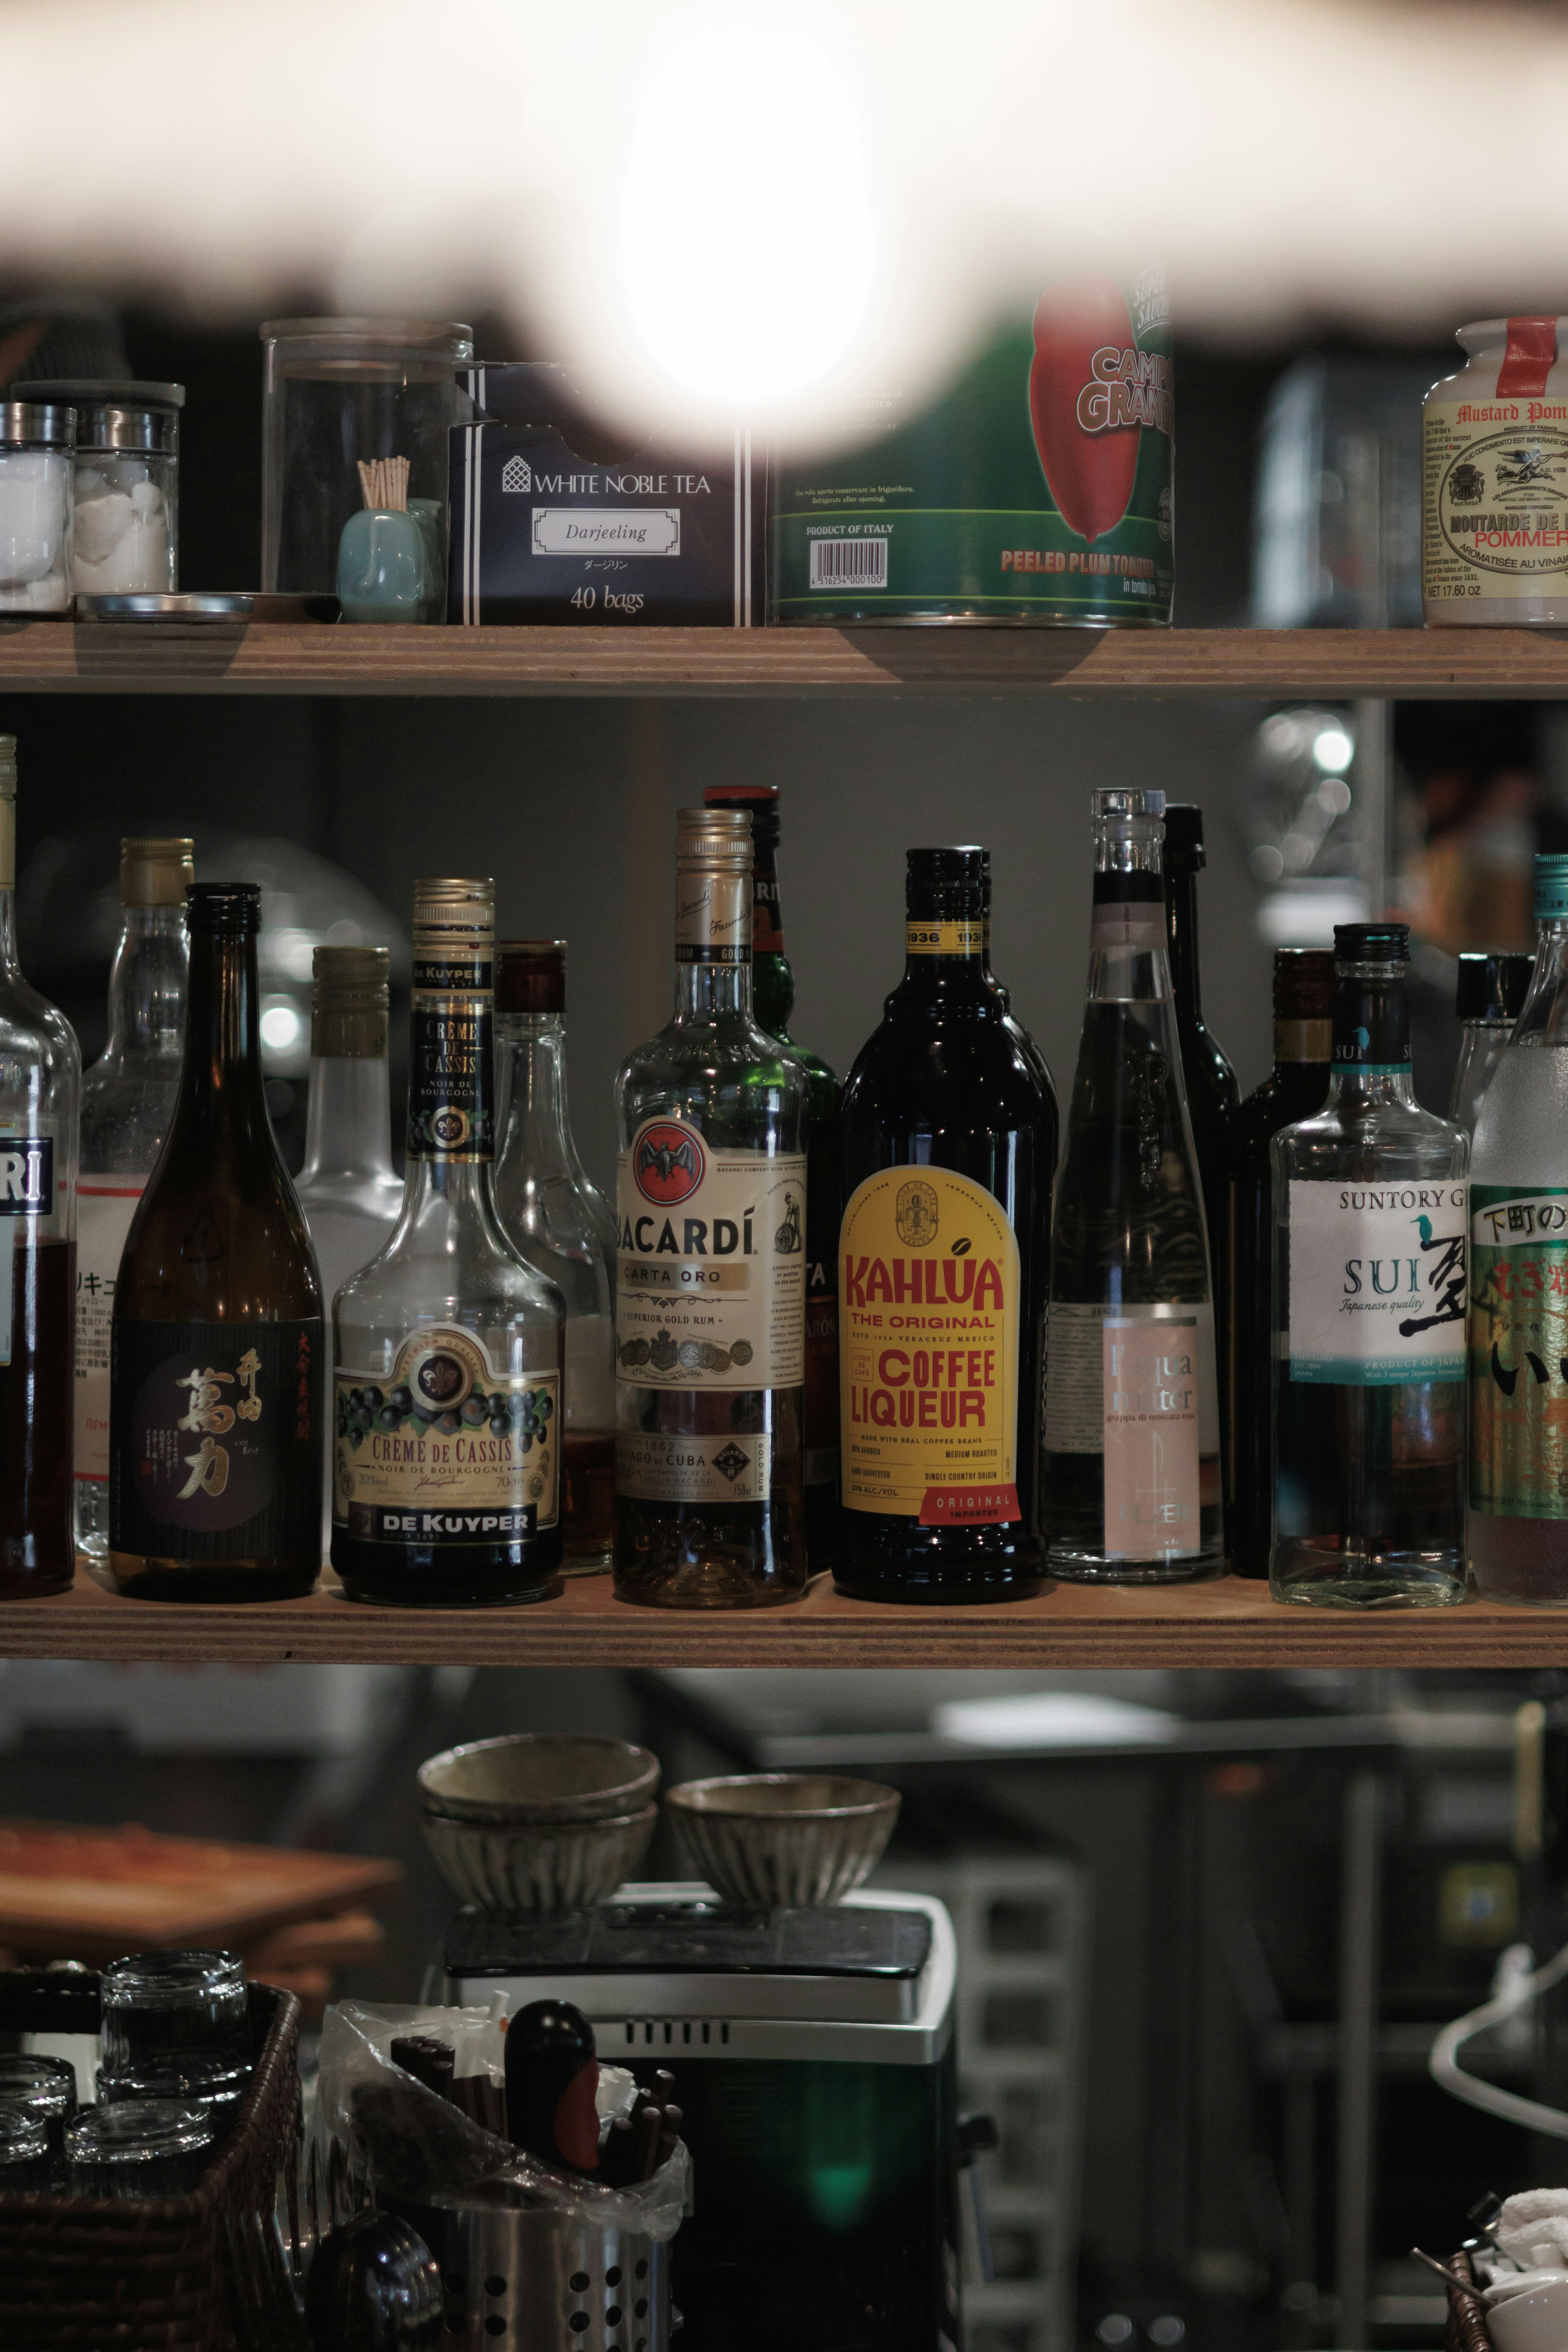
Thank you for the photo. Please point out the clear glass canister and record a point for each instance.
(36, 439)
(341, 392)
(127, 484)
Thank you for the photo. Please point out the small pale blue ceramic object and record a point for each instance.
(385, 569)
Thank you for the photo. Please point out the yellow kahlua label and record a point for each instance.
(944, 939)
(929, 1304)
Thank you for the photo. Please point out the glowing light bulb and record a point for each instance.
(1333, 750)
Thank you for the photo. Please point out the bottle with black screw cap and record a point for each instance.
(214, 1432)
(947, 1147)
(1486, 1002)
(1370, 1243)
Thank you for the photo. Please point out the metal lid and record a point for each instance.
(36, 424)
(1184, 852)
(530, 976)
(1372, 942)
(349, 1004)
(229, 909)
(156, 873)
(7, 767)
(761, 803)
(130, 416)
(1303, 983)
(207, 604)
(719, 838)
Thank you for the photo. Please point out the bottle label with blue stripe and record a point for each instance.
(1378, 1287)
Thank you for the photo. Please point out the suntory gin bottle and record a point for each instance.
(1518, 1285)
(1369, 1313)
(447, 1346)
(711, 1199)
(1131, 1484)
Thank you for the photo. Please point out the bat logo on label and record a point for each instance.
(668, 1163)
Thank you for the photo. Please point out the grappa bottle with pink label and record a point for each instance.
(1131, 1479)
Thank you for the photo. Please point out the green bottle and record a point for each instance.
(772, 1003)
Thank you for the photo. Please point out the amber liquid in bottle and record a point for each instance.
(215, 1382)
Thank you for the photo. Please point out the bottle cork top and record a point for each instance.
(156, 873)
(719, 839)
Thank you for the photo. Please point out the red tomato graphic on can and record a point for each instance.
(668, 1162)
(1082, 332)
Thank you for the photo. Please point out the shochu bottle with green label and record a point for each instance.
(215, 1444)
(947, 1142)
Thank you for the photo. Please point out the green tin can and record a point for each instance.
(1037, 490)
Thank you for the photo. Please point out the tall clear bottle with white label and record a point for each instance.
(1131, 1473)
(127, 1102)
(41, 1098)
(1518, 1285)
(711, 1268)
(1369, 1313)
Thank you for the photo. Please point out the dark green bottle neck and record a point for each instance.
(223, 1095)
(1182, 942)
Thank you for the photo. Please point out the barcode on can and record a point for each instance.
(849, 563)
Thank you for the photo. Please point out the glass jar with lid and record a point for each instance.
(340, 394)
(36, 441)
(127, 483)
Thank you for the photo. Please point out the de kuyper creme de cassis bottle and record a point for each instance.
(947, 1142)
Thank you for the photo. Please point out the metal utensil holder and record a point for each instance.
(530, 2279)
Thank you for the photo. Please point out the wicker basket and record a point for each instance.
(1467, 2328)
(91, 2274)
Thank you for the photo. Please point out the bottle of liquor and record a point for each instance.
(214, 1441)
(772, 1001)
(1021, 1036)
(1518, 1285)
(1369, 1313)
(348, 1188)
(127, 1102)
(947, 1146)
(564, 1226)
(1211, 1091)
(1486, 1002)
(1132, 1437)
(1294, 1089)
(447, 1347)
(711, 1279)
(40, 1084)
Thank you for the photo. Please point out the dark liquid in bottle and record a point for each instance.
(712, 1555)
(38, 1550)
(588, 1494)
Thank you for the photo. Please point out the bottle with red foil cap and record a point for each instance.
(1494, 502)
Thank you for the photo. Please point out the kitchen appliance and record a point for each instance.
(814, 2059)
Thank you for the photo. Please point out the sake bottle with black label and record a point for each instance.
(448, 1346)
(215, 1452)
(947, 1144)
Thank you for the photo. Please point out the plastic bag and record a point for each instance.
(415, 2144)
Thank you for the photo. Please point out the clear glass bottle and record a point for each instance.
(772, 1001)
(40, 1095)
(215, 1439)
(1132, 1478)
(710, 1202)
(348, 1188)
(448, 1347)
(1369, 1313)
(127, 1102)
(1487, 995)
(1518, 1285)
(561, 1225)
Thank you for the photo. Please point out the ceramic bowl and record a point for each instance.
(539, 1866)
(538, 1777)
(1536, 2321)
(794, 1839)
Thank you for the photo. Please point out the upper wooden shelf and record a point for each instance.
(1264, 664)
(1228, 1622)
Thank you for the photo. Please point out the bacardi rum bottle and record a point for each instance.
(710, 1210)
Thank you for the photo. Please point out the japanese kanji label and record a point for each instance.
(1519, 1353)
(217, 1449)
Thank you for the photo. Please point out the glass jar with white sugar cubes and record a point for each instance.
(127, 484)
(36, 440)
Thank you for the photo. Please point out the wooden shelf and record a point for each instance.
(1266, 665)
(1228, 1622)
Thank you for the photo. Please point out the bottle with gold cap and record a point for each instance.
(215, 1434)
(127, 1103)
(447, 1419)
(711, 1268)
(40, 1086)
(561, 1223)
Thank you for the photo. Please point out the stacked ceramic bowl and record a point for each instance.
(542, 1822)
